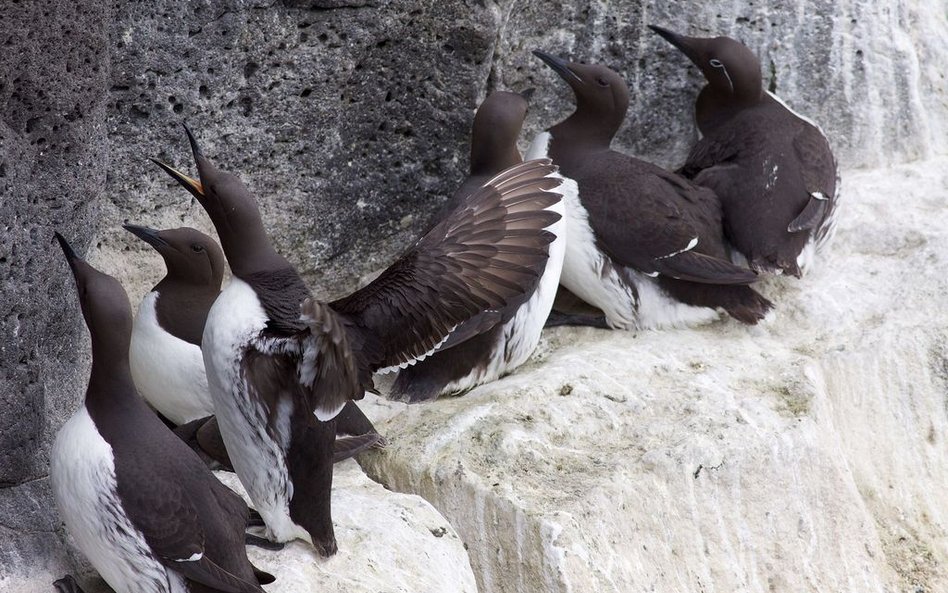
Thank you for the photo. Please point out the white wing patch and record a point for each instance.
(691, 245)
(194, 557)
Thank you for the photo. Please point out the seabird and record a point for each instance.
(644, 245)
(165, 354)
(495, 342)
(275, 356)
(772, 168)
(139, 503)
(166, 336)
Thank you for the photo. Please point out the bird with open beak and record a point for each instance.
(282, 364)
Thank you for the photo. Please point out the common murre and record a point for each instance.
(644, 245)
(772, 168)
(165, 354)
(275, 356)
(141, 505)
(494, 342)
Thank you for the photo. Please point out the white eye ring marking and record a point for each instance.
(716, 63)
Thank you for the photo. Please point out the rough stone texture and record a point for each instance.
(53, 86)
(349, 118)
(806, 454)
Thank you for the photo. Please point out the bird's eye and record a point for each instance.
(602, 81)
(716, 63)
(196, 248)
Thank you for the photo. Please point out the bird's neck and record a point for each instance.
(490, 158)
(576, 138)
(714, 107)
(248, 249)
(110, 382)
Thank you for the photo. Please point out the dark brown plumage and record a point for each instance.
(310, 357)
(645, 221)
(773, 170)
(190, 522)
(477, 352)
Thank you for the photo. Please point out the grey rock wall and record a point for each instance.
(349, 119)
(53, 153)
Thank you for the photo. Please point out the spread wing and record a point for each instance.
(488, 252)
(818, 167)
(649, 220)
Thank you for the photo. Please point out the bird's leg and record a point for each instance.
(557, 319)
(67, 584)
(262, 542)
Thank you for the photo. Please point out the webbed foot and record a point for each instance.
(262, 542)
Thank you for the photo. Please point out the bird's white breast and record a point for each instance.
(234, 321)
(168, 372)
(522, 332)
(595, 278)
(82, 472)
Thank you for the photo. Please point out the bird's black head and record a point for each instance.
(495, 132)
(192, 258)
(730, 67)
(602, 97)
(233, 210)
(104, 304)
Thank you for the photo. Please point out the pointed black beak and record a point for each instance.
(684, 44)
(146, 234)
(195, 149)
(76, 263)
(189, 183)
(66, 247)
(193, 186)
(559, 65)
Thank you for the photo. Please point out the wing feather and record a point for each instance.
(489, 250)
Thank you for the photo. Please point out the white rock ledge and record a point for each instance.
(806, 454)
(388, 543)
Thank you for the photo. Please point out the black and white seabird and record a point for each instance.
(494, 342)
(772, 168)
(140, 505)
(644, 245)
(166, 337)
(165, 354)
(281, 364)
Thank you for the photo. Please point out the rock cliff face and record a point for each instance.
(349, 119)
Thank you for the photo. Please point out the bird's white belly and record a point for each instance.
(259, 460)
(628, 299)
(168, 372)
(522, 333)
(82, 472)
